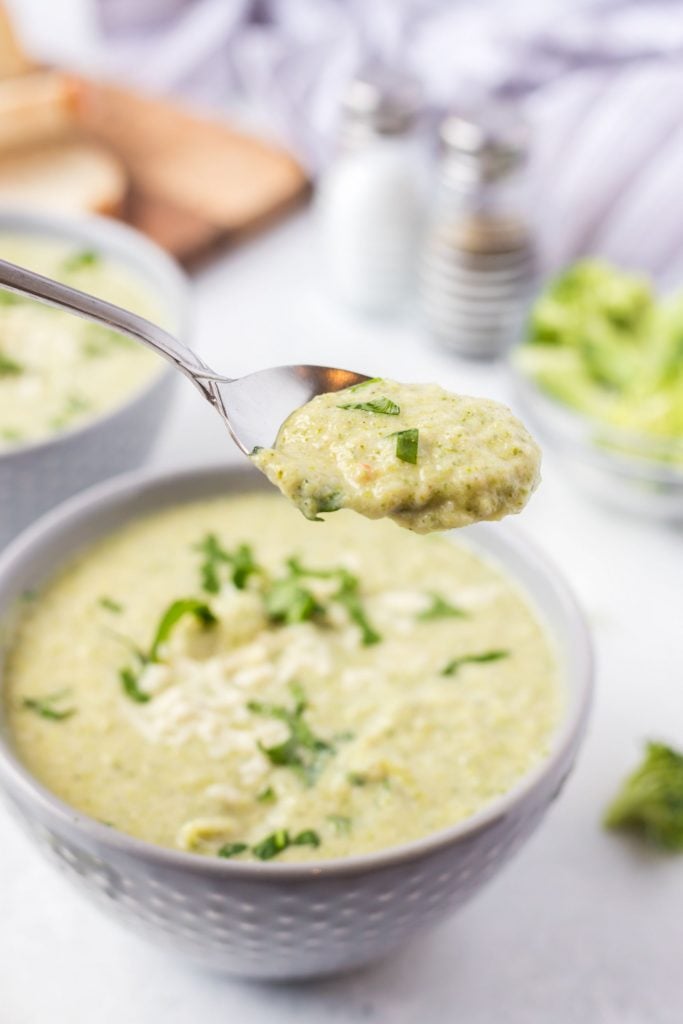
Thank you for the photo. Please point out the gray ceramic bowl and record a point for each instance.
(36, 476)
(268, 920)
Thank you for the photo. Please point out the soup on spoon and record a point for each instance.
(422, 456)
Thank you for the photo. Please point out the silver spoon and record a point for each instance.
(253, 407)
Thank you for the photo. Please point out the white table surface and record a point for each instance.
(583, 927)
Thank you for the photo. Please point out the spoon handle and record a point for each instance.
(53, 293)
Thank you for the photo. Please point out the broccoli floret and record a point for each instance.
(651, 800)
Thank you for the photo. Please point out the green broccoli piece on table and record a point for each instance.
(651, 800)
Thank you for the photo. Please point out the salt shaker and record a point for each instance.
(370, 200)
(477, 263)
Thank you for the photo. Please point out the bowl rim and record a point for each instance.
(107, 233)
(128, 488)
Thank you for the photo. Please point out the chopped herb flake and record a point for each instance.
(278, 841)
(364, 383)
(406, 445)
(74, 406)
(241, 562)
(340, 823)
(440, 609)
(45, 706)
(331, 502)
(267, 796)
(306, 838)
(232, 849)
(348, 596)
(9, 367)
(472, 659)
(111, 605)
(173, 614)
(383, 406)
(272, 845)
(129, 682)
(302, 751)
(289, 602)
(79, 260)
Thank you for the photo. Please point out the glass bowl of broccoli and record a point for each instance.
(600, 376)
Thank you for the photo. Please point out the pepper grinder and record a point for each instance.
(477, 265)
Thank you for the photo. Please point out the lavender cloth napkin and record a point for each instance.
(601, 83)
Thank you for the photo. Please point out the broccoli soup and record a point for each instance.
(56, 369)
(426, 458)
(227, 678)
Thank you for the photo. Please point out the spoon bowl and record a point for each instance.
(253, 407)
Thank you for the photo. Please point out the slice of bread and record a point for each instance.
(35, 107)
(13, 60)
(63, 177)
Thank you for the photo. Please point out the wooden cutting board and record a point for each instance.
(194, 182)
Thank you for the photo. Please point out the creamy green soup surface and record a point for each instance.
(229, 679)
(58, 370)
(426, 458)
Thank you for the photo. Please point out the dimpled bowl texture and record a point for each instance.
(267, 920)
(35, 477)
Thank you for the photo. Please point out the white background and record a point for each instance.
(584, 927)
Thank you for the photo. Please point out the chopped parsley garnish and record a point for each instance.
(8, 298)
(441, 609)
(74, 406)
(349, 597)
(267, 796)
(9, 367)
(80, 259)
(45, 706)
(110, 604)
(406, 445)
(383, 406)
(364, 383)
(358, 779)
(232, 849)
(10, 434)
(240, 561)
(289, 602)
(278, 841)
(472, 659)
(174, 613)
(331, 502)
(272, 845)
(302, 751)
(340, 823)
(306, 838)
(129, 682)
(650, 803)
